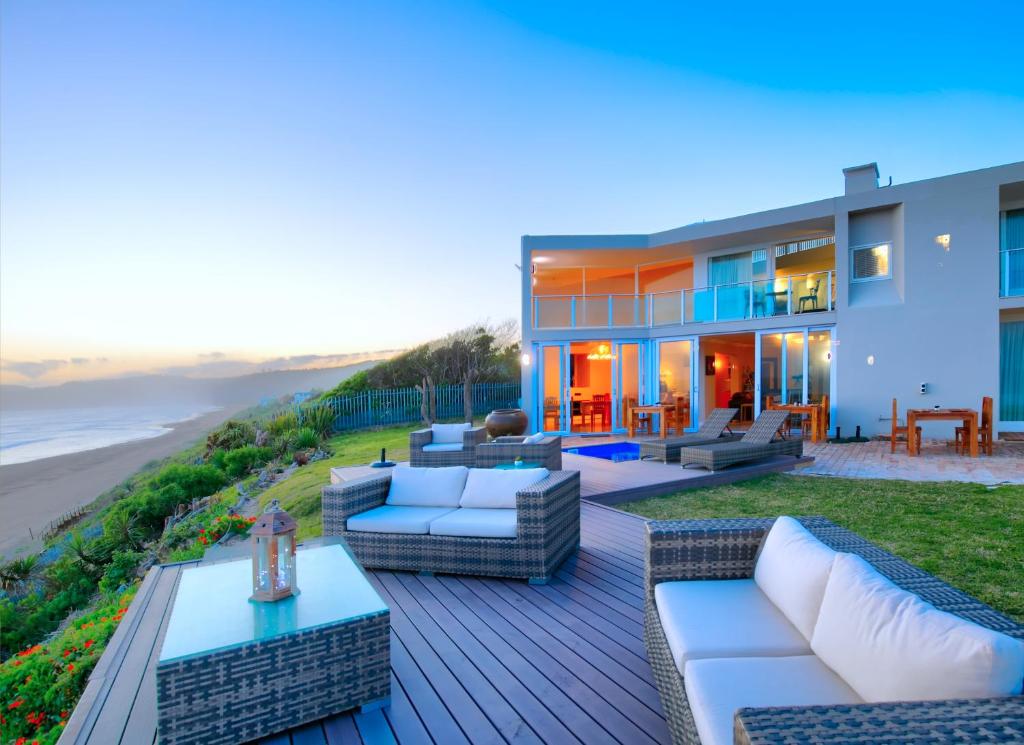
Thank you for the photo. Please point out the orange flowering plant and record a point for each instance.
(40, 685)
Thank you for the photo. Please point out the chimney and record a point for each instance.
(861, 178)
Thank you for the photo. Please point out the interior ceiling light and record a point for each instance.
(603, 353)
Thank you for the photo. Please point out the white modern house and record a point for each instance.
(913, 291)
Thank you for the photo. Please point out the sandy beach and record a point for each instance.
(32, 494)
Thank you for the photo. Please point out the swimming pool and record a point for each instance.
(617, 452)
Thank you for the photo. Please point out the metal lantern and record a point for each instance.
(273, 555)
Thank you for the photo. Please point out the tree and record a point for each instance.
(475, 354)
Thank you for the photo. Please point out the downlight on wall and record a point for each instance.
(524, 358)
(871, 359)
(943, 240)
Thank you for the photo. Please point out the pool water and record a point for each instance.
(617, 452)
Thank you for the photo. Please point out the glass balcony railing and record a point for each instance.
(1011, 273)
(759, 298)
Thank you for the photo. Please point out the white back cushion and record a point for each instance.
(792, 571)
(444, 433)
(534, 438)
(488, 487)
(889, 645)
(427, 487)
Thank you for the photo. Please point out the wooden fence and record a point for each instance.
(402, 405)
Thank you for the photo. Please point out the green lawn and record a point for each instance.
(969, 535)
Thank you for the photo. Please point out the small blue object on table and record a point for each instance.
(233, 670)
(517, 466)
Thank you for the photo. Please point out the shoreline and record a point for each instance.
(35, 492)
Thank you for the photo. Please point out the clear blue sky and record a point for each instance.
(266, 179)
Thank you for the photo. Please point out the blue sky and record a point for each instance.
(257, 180)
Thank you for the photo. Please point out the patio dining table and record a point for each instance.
(660, 410)
(969, 417)
(812, 410)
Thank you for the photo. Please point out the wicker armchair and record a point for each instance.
(501, 450)
(548, 515)
(471, 438)
(727, 549)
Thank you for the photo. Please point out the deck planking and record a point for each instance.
(474, 660)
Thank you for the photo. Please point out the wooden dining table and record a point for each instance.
(969, 418)
(659, 410)
(812, 410)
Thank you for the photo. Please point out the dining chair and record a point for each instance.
(963, 434)
(811, 297)
(898, 429)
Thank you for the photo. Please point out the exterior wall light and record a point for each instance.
(524, 359)
(943, 240)
(871, 359)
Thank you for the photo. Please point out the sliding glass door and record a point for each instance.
(674, 379)
(552, 387)
(794, 367)
(627, 380)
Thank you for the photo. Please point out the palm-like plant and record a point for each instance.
(16, 572)
(122, 528)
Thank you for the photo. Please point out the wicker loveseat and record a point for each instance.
(445, 445)
(501, 450)
(701, 617)
(529, 536)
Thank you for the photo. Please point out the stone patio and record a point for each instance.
(938, 462)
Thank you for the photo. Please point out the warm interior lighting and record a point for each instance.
(603, 353)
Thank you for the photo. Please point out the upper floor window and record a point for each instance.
(870, 262)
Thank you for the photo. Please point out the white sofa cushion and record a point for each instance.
(427, 487)
(723, 618)
(792, 570)
(390, 519)
(890, 645)
(448, 433)
(476, 523)
(492, 487)
(716, 688)
(443, 447)
(533, 439)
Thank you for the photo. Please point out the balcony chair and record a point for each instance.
(963, 434)
(811, 297)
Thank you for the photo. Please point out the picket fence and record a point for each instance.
(402, 405)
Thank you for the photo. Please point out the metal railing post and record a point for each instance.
(572, 312)
(714, 303)
(789, 296)
(611, 312)
(750, 300)
(830, 289)
(682, 307)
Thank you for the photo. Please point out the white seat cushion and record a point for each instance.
(390, 519)
(442, 433)
(443, 447)
(477, 523)
(427, 487)
(716, 688)
(890, 645)
(533, 439)
(723, 618)
(491, 487)
(792, 570)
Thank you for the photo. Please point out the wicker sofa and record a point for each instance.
(501, 450)
(680, 552)
(528, 540)
(445, 445)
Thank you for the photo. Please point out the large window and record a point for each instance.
(674, 376)
(1011, 371)
(870, 262)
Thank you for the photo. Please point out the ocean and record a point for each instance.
(31, 434)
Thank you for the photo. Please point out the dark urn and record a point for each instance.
(501, 422)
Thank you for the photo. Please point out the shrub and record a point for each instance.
(195, 481)
(319, 418)
(40, 685)
(305, 438)
(283, 422)
(120, 571)
(241, 461)
(231, 435)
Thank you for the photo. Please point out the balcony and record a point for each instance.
(1011, 273)
(761, 298)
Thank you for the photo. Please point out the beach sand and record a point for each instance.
(32, 494)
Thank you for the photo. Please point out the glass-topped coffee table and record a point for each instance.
(232, 670)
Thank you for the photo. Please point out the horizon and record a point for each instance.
(197, 185)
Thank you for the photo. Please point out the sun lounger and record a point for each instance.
(761, 441)
(712, 431)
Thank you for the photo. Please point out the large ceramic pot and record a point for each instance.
(501, 422)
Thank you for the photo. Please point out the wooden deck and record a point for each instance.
(473, 660)
(608, 483)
